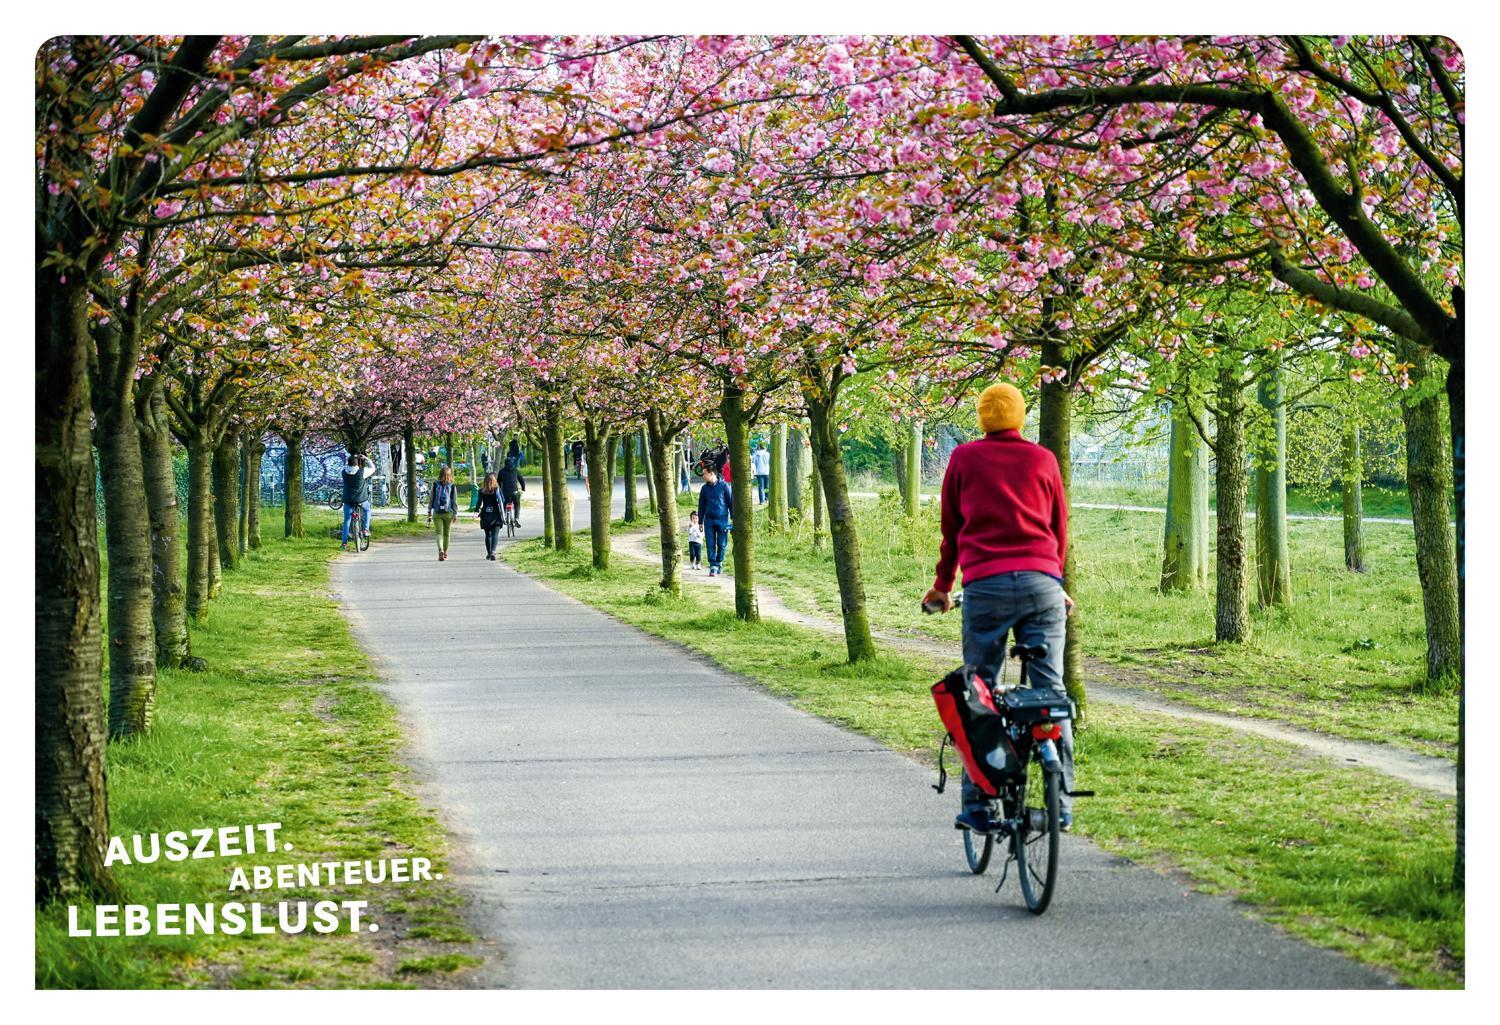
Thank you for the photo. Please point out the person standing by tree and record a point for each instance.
(715, 502)
(578, 458)
(760, 466)
(443, 506)
(1005, 525)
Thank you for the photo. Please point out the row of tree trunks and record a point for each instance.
(659, 435)
(596, 446)
(742, 485)
(835, 487)
(72, 819)
(168, 586)
(255, 445)
(1184, 565)
(1272, 552)
(1352, 486)
(1055, 433)
(1231, 599)
(628, 468)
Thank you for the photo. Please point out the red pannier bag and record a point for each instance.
(976, 723)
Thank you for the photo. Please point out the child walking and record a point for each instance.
(695, 542)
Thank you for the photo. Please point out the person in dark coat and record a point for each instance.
(715, 510)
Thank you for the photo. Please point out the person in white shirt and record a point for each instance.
(760, 466)
(695, 542)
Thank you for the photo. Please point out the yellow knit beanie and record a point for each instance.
(1001, 408)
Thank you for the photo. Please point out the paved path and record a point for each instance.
(629, 815)
(1429, 772)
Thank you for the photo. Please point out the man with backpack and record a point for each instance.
(1005, 526)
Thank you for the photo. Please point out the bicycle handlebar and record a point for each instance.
(932, 608)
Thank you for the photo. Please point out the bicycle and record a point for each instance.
(1030, 799)
(511, 520)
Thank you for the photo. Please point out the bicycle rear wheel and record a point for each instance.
(1041, 832)
(977, 848)
(336, 501)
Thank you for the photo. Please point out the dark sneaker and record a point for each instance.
(976, 820)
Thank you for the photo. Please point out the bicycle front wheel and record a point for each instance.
(336, 502)
(977, 848)
(1041, 832)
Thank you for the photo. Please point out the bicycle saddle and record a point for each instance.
(1029, 652)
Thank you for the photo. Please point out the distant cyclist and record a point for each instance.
(357, 473)
(1005, 525)
(511, 486)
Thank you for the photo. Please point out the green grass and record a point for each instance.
(285, 725)
(1346, 657)
(1341, 857)
(1378, 501)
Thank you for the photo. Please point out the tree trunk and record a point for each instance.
(243, 531)
(742, 485)
(448, 450)
(796, 471)
(1184, 564)
(127, 525)
(776, 499)
(596, 444)
(898, 471)
(612, 451)
(72, 813)
(562, 515)
(666, 512)
(627, 442)
(914, 469)
(256, 446)
(168, 593)
(651, 460)
(291, 516)
(846, 563)
(1272, 556)
(816, 486)
(1429, 486)
(1457, 439)
(226, 492)
(200, 527)
(1055, 433)
(1231, 600)
(409, 460)
(548, 498)
(1353, 472)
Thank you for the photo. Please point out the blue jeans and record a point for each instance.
(762, 486)
(716, 533)
(1030, 605)
(349, 513)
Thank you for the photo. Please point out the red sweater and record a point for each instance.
(1003, 510)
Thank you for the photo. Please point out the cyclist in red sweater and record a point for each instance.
(1005, 526)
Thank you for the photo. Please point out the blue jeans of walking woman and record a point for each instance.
(1030, 606)
(350, 512)
(716, 533)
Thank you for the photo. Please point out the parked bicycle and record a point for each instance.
(1027, 811)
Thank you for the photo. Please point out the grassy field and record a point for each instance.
(285, 725)
(1345, 657)
(1341, 857)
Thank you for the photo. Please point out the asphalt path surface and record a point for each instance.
(628, 815)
